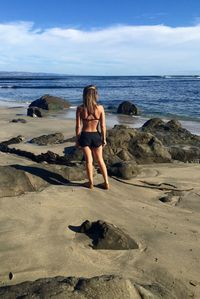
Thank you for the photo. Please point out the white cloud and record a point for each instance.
(117, 50)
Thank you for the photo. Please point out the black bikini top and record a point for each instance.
(90, 119)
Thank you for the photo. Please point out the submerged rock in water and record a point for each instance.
(107, 236)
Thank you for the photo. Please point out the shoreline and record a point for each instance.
(112, 118)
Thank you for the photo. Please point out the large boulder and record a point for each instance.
(48, 102)
(170, 133)
(18, 179)
(48, 139)
(181, 143)
(105, 235)
(139, 146)
(127, 107)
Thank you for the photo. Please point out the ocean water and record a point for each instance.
(156, 96)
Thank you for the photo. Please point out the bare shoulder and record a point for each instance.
(100, 108)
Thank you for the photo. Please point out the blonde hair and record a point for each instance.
(90, 96)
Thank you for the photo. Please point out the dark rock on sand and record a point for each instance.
(182, 145)
(107, 236)
(73, 153)
(48, 102)
(125, 170)
(14, 140)
(171, 133)
(185, 153)
(99, 287)
(139, 146)
(18, 179)
(18, 120)
(127, 107)
(36, 112)
(49, 156)
(14, 182)
(48, 139)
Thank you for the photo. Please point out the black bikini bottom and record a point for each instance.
(91, 139)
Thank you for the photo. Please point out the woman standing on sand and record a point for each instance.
(89, 115)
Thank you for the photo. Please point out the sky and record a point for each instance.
(113, 37)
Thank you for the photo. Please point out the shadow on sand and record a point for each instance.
(48, 176)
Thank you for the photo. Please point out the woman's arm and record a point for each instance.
(103, 126)
(78, 124)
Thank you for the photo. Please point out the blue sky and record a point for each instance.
(100, 37)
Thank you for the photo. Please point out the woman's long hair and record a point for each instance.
(90, 96)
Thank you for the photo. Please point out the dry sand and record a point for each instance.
(35, 240)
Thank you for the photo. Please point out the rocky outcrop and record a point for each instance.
(48, 102)
(171, 133)
(18, 179)
(14, 140)
(127, 107)
(107, 236)
(182, 145)
(99, 287)
(48, 139)
(139, 146)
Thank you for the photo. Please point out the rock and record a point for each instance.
(140, 147)
(125, 170)
(99, 287)
(48, 139)
(107, 236)
(73, 153)
(171, 133)
(127, 107)
(14, 140)
(18, 179)
(153, 122)
(14, 182)
(182, 145)
(189, 154)
(48, 102)
(18, 120)
(35, 112)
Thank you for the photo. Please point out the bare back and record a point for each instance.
(90, 121)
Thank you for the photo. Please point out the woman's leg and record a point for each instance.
(98, 155)
(89, 163)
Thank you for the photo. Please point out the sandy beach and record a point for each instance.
(36, 240)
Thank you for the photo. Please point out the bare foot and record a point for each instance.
(106, 186)
(88, 185)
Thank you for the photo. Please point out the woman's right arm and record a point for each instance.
(78, 124)
(103, 126)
